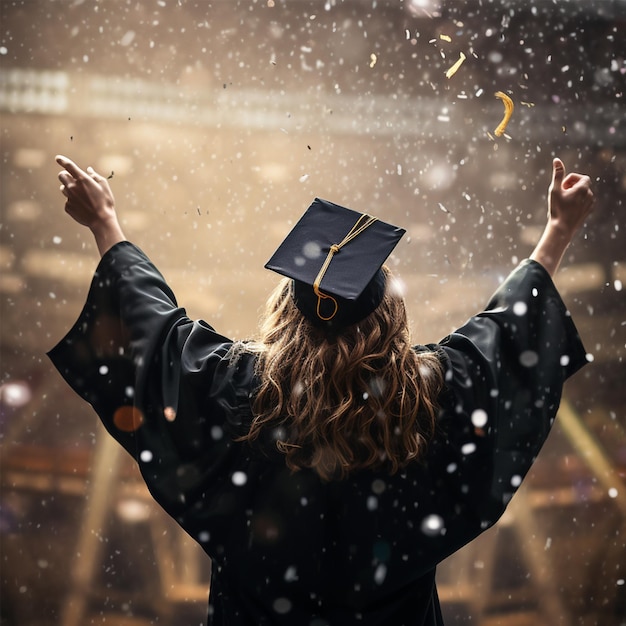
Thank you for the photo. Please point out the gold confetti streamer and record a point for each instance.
(508, 111)
(452, 71)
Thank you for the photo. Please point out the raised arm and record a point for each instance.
(570, 201)
(90, 202)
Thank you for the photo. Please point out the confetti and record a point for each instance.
(127, 418)
(433, 525)
(239, 478)
(452, 71)
(445, 37)
(169, 413)
(373, 59)
(508, 111)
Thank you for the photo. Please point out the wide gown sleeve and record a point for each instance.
(505, 370)
(151, 373)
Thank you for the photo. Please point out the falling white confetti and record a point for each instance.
(128, 38)
(133, 510)
(529, 358)
(15, 394)
(282, 605)
(312, 250)
(146, 456)
(432, 525)
(479, 418)
(468, 448)
(380, 574)
(378, 486)
(291, 574)
(520, 308)
(239, 479)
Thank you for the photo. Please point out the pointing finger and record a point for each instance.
(70, 166)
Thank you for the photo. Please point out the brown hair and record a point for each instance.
(360, 398)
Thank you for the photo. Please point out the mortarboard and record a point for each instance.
(334, 256)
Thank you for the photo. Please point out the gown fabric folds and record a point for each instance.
(288, 548)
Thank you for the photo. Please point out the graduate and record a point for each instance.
(329, 466)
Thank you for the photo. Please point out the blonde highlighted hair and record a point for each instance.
(336, 403)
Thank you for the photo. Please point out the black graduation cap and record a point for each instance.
(334, 256)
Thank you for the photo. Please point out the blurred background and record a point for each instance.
(218, 122)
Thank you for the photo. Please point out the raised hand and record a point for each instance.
(570, 201)
(90, 202)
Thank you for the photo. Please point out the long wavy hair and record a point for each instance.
(337, 403)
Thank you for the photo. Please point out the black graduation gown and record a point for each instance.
(287, 548)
